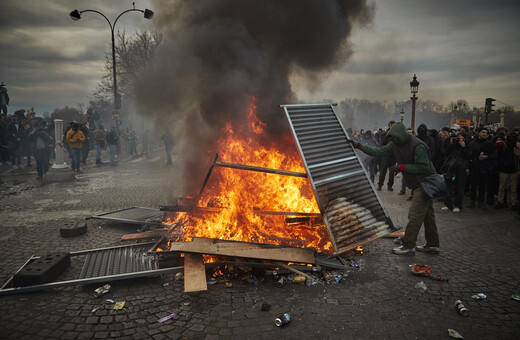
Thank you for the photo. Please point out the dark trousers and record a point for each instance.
(455, 188)
(479, 181)
(75, 154)
(386, 163)
(15, 151)
(42, 161)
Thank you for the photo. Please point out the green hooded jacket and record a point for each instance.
(418, 164)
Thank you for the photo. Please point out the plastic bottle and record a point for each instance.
(461, 308)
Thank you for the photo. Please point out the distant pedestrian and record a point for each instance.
(99, 143)
(4, 140)
(112, 141)
(4, 99)
(132, 143)
(75, 138)
(168, 145)
(15, 132)
(86, 145)
(39, 141)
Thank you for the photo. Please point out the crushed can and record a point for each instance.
(282, 320)
(299, 279)
(461, 308)
(102, 290)
(280, 281)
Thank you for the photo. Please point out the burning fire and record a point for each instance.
(238, 195)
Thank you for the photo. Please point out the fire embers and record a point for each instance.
(352, 224)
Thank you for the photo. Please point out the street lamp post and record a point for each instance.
(76, 15)
(402, 115)
(414, 86)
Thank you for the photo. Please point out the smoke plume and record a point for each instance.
(217, 54)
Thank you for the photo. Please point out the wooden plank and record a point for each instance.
(145, 235)
(194, 273)
(395, 234)
(245, 249)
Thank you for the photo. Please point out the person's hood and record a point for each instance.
(422, 130)
(398, 130)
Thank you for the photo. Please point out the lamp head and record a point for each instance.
(75, 15)
(148, 14)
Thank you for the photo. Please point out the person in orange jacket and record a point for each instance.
(75, 138)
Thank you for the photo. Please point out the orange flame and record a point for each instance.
(238, 193)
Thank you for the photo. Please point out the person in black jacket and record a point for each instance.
(483, 154)
(39, 141)
(112, 140)
(507, 171)
(455, 170)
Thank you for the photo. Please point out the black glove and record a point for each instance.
(394, 169)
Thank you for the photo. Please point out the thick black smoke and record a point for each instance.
(216, 55)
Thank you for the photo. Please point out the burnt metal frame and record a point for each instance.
(124, 220)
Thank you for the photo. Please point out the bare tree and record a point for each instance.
(134, 56)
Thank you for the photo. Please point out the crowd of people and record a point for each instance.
(26, 140)
(481, 166)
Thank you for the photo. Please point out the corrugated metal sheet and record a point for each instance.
(350, 206)
(118, 260)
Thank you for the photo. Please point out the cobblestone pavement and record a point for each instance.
(480, 254)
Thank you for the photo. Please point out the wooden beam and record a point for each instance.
(245, 249)
(194, 273)
(143, 236)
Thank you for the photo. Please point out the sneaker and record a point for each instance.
(409, 198)
(398, 240)
(445, 208)
(456, 210)
(402, 192)
(428, 249)
(390, 188)
(402, 250)
(379, 187)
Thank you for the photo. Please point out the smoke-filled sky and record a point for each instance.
(459, 49)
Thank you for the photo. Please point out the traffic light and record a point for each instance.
(488, 107)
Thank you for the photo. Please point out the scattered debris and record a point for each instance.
(265, 307)
(102, 290)
(179, 276)
(282, 320)
(110, 301)
(421, 285)
(166, 284)
(479, 296)
(119, 305)
(515, 297)
(94, 309)
(171, 316)
(454, 334)
(461, 308)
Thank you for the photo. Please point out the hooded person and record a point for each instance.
(414, 162)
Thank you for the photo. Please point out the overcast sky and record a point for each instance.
(458, 49)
